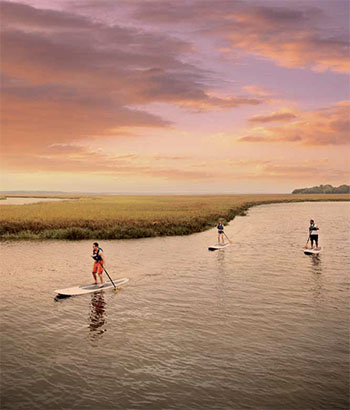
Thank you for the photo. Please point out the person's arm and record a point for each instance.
(103, 259)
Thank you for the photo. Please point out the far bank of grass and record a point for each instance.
(127, 217)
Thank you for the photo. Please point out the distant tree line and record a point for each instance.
(324, 189)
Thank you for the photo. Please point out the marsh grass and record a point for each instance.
(126, 217)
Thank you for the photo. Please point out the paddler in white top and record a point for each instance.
(313, 234)
(99, 261)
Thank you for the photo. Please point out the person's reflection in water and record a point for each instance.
(220, 258)
(316, 268)
(97, 311)
(316, 264)
(220, 278)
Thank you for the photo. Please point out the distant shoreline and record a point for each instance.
(132, 217)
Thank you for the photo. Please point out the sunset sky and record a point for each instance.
(185, 96)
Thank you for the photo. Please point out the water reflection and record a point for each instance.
(97, 314)
(220, 257)
(316, 264)
(316, 269)
(317, 287)
(220, 275)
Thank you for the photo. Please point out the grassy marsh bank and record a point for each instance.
(126, 217)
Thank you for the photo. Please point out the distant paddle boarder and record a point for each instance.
(220, 228)
(99, 260)
(313, 233)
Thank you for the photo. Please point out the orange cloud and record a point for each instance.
(273, 117)
(301, 35)
(256, 89)
(72, 158)
(327, 126)
(59, 87)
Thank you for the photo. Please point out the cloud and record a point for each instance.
(62, 159)
(257, 90)
(72, 158)
(273, 117)
(326, 126)
(71, 77)
(35, 116)
(300, 36)
(297, 171)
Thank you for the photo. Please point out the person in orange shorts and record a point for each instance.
(99, 261)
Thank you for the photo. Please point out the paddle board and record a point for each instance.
(312, 251)
(84, 289)
(218, 246)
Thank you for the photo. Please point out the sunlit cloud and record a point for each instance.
(57, 86)
(326, 126)
(273, 117)
(257, 90)
(298, 35)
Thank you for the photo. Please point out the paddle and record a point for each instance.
(307, 242)
(115, 288)
(228, 238)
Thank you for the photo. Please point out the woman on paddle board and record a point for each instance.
(220, 228)
(313, 232)
(99, 261)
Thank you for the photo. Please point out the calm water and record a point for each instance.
(258, 325)
(24, 201)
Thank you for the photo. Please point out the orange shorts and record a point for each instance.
(97, 268)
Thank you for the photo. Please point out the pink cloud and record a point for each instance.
(326, 126)
(299, 36)
(273, 117)
(58, 87)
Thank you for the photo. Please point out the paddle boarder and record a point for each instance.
(313, 233)
(220, 228)
(99, 261)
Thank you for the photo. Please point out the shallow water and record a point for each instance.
(258, 325)
(24, 201)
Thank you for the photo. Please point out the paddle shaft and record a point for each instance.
(108, 275)
(228, 238)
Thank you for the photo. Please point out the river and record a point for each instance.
(258, 325)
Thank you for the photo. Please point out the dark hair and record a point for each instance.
(311, 220)
(95, 244)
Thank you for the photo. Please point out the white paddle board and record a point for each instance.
(218, 246)
(84, 289)
(314, 251)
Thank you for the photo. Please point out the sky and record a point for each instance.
(185, 96)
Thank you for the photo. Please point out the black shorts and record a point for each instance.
(314, 237)
(220, 232)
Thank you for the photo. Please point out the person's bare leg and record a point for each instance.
(94, 275)
(101, 279)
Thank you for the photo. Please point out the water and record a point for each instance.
(24, 201)
(258, 325)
